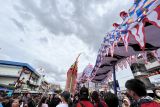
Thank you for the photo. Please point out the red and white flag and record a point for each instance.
(154, 17)
(129, 60)
(120, 65)
(139, 34)
(124, 63)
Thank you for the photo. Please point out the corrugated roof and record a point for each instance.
(12, 63)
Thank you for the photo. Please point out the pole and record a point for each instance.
(95, 86)
(114, 79)
(71, 84)
(88, 85)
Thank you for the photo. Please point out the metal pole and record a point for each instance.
(88, 85)
(96, 86)
(114, 79)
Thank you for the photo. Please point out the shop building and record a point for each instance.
(21, 76)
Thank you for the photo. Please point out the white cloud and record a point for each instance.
(52, 33)
(4, 57)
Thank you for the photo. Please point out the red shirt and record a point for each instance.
(150, 104)
(85, 103)
(103, 103)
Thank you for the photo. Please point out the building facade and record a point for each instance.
(21, 76)
(143, 70)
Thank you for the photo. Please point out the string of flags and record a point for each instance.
(86, 74)
(141, 12)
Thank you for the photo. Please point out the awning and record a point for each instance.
(7, 87)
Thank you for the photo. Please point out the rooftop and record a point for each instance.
(12, 63)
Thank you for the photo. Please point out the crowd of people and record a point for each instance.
(135, 96)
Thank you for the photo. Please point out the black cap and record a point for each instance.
(65, 95)
(84, 92)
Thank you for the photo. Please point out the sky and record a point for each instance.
(122, 75)
(49, 34)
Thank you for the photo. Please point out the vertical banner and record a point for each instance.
(72, 77)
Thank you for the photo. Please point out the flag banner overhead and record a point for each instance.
(137, 33)
(72, 77)
(86, 74)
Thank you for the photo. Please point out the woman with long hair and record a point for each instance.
(43, 102)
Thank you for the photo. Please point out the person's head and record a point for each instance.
(65, 96)
(95, 96)
(1, 99)
(16, 103)
(43, 100)
(136, 88)
(50, 96)
(84, 93)
(55, 100)
(157, 92)
(28, 95)
(111, 99)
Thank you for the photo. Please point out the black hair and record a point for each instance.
(84, 93)
(66, 95)
(31, 103)
(154, 91)
(43, 100)
(70, 103)
(111, 100)
(55, 101)
(137, 86)
(95, 96)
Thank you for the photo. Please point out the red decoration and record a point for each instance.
(72, 77)
(115, 25)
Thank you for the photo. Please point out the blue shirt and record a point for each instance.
(1, 105)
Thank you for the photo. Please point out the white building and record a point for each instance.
(145, 72)
(21, 76)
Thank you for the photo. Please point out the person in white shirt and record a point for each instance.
(65, 98)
